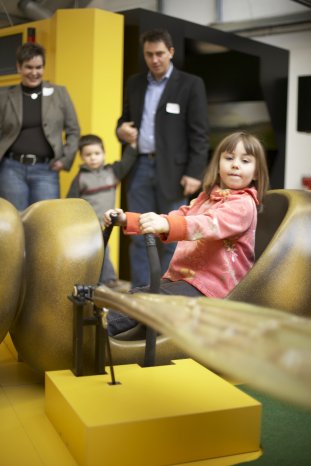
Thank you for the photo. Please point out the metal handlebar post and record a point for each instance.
(155, 275)
(107, 231)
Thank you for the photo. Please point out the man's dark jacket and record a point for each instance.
(181, 127)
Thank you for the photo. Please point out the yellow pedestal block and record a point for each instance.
(164, 415)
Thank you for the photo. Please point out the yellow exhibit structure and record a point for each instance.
(164, 415)
(84, 52)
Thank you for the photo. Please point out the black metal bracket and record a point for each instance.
(101, 337)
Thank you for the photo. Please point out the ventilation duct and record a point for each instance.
(304, 2)
(33, 10)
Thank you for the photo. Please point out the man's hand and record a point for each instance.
(153, 223)
(190, 185)
(127, 132)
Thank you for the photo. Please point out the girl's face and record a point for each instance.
(237, 169)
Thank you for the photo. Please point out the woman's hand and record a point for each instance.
(121, 220)
(153, 223)
(57, 166)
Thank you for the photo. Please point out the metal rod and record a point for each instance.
(100, 339)
(77, 337)
(155, 276)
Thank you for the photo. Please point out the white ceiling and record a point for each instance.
(14, 12)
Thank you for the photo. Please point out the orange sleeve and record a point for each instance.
(132, 225)
(178, 228)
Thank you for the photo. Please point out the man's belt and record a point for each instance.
(150, 155)
(26, 159)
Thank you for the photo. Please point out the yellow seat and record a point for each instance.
(281, 276)
(11, 267)
(64, 246)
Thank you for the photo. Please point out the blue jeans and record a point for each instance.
(119, 322)
(23, 185)
(143, 195)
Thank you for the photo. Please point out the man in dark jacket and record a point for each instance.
(165, 111)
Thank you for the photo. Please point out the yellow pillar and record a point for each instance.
(88, 60)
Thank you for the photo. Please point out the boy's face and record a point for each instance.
(93, 156)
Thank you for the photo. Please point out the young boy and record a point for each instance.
(97, 182)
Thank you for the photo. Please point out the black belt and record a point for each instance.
(150, 155)
(27, 159)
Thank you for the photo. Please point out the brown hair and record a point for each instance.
(253, 147)
(89, 139)
(157, 35)
(28, 51)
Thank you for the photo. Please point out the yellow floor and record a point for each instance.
(27, 437)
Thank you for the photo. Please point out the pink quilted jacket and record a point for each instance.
(216, 237)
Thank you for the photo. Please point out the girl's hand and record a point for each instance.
(121, 220)
(153, 223)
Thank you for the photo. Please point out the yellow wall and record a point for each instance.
(84, 52)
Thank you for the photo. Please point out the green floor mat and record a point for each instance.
(286, 432)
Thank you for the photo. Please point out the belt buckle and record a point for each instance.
(151, 155)
(31, 157)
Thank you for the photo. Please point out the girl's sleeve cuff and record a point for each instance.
(132, 224)
(178, 228)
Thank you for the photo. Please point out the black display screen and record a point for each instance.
(304, 104)
(8, 47)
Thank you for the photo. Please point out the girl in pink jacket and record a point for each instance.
(216, 232)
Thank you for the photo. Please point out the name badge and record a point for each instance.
(46, 91)
(172, 108)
